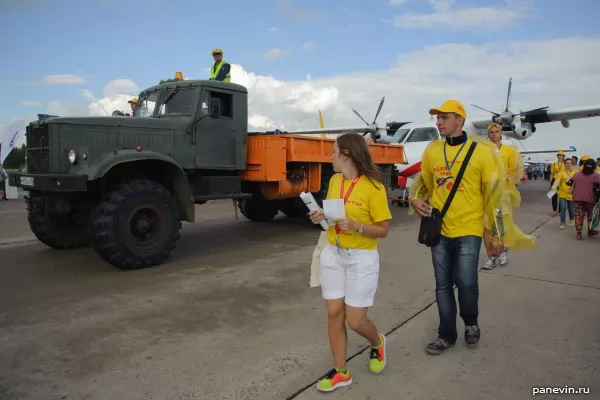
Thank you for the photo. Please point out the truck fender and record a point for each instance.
(177, 177)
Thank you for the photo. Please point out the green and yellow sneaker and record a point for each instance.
(378, 356)
(334, 379)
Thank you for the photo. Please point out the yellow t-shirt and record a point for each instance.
(563, 188)
(556, 168)
(508, 159)
(465, 215)
(365, 204)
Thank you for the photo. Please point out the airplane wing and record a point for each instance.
(547, 151)
(560, 114)
(481, 123)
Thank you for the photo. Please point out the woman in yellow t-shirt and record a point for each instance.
(350, 262)
(561, 185)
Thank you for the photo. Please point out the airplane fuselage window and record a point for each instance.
(423, 135)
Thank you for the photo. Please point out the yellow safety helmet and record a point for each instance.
(134, 100)
(217, 51)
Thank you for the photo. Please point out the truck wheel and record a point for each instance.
(136, 225)
(57, 231)
(294, 208)
(257, 208)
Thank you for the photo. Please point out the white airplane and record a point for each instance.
(415, 136)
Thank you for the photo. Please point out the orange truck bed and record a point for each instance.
(270, 155)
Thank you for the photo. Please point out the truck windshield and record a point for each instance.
(146, 105)
(177, 102)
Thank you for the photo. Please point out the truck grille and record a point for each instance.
(38, 149)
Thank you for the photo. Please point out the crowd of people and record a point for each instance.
(577, 192)
(472, 180)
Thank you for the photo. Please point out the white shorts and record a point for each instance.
(352, 274)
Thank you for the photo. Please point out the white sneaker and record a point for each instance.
(503, 258)
(491, 263)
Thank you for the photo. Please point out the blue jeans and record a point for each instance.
(564, 204)
(455, 261)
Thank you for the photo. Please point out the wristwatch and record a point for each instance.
(360, 229)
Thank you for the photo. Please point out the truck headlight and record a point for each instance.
(72, 156)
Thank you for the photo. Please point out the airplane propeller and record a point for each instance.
(506, 117)
(372, 128)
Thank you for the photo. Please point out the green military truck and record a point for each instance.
(125, 184)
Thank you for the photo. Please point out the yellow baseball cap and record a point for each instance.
(217, 51)
(134, 100)
(560, 153)
(450, 106)
(585, 157)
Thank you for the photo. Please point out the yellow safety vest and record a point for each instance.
(214, 73)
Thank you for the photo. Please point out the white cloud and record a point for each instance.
(88, 94)
(309, 46)
(555, 73)
(446, 15)
(272, 29)
(442, 5)
(120, 86)
(63, 79)
(273, 54)
(396, 2)
(31, 103)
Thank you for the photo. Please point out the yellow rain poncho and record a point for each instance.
(497, 198)
(513, 163)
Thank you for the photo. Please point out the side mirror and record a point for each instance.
(215, 108)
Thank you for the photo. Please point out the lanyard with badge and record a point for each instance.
(337, 227)
(441, 180)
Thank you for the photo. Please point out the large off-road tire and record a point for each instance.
(294, 208)
(257, 208)
(57, 231)
(136, 225)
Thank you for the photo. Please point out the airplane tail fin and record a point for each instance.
(321, 124)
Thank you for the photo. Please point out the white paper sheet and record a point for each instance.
(551, 194)
(334, 209)
(311, 203)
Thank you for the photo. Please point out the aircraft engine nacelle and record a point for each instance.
(520, 133)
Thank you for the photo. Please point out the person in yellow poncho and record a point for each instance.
(513, 166)
(480, 211)
(565, 197)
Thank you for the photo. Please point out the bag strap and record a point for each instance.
(458, 178)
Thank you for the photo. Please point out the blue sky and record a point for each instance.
(147, 40)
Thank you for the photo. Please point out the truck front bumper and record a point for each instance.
(49, 182)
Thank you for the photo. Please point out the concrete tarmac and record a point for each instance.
(231, 316)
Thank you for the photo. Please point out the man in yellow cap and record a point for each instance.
(513, 165)
(134, 105)
(456, 256)
(221, 70)
(584, 158)
(556, 169)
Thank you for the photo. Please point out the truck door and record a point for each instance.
(215, 131)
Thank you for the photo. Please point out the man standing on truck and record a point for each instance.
(221, 70)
